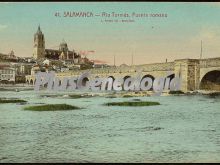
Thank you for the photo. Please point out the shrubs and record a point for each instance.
(2, 101)
(132, 103)
(126, 96)
(51, 107)
(176, 92)
(76, 96)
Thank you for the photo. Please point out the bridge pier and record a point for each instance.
(189, 70)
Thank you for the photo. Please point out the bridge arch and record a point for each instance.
(150, 76)
(108, 85)
(31, 82)
(210, 81)
(84, 81)
(170, 77)
(126, 77)
(113, 78)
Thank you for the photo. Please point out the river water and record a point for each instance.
(181, 129)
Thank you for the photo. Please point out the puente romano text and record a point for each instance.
(197, 74)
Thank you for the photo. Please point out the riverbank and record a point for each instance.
(16, 87)
(108, 94)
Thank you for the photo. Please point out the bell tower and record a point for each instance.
(39, 44)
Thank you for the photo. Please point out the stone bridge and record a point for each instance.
(197, 74)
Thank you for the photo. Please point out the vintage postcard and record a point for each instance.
(109, 82)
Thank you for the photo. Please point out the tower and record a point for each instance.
(39, 44)
(63, 48)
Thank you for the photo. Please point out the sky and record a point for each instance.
(148, 39)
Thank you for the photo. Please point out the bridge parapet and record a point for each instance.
(210, 62)
(157, 67)
(130, 69)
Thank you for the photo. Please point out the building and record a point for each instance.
(22, 69)
(7, 74)
(14, 72)
(63, 53)
(10, 57)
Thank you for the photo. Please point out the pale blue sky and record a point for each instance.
(175, 37)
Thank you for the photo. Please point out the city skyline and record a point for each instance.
(149, 40)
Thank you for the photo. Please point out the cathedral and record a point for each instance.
(63, 53)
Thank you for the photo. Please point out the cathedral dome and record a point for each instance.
(63, 46)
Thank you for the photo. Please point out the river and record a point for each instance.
(181, 129)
